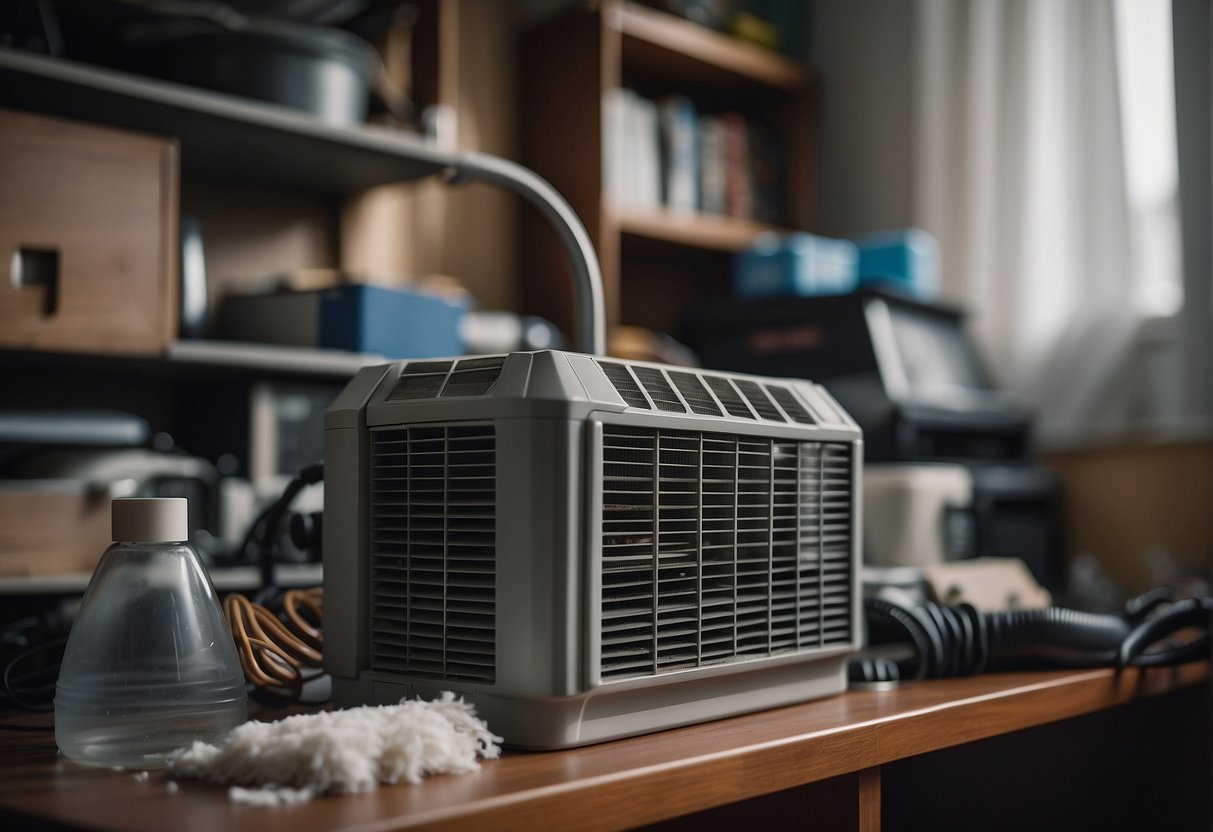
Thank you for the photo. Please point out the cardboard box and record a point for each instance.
(51, 526)
(88, 236)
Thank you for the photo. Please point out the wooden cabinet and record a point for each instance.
(88, 232)
(654, 261)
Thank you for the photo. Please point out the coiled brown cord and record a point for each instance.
(275, 653)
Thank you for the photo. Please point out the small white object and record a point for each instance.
(904, 511)
(150, 520)
(171, 787)
(344, 752)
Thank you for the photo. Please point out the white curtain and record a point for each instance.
(1021, 175)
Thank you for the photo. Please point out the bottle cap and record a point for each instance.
(150, 519)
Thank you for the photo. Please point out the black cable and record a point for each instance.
(262, 535)
(961, 641)
(7, 681)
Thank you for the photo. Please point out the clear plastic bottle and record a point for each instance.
(150, 665)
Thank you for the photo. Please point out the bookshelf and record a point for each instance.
(655, 260)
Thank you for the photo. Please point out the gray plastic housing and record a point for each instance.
(538, 654)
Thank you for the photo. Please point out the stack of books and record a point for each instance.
(664, 153)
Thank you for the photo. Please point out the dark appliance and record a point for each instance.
(912, 378)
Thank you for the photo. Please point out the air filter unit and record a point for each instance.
(588, 548)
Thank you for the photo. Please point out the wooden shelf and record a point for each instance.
(636, 781)
(223, 138)
(704, 231)
(666, 46)
(272, 358)
(670, 259)
(219, 357)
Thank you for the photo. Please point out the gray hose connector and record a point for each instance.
(587, 278)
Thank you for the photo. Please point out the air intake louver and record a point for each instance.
(473, 377)
(729, 397)
(625, 384)
(759, 400)
(432, 552)
(703, 560)
(691, 386)
(787, 400)
(696, 395)
(659, 389)
(420, 380)
(437, 379)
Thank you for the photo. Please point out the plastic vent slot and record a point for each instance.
(718, 547)
(787, 400)
(759, 400)
(729, 397)
(433, 506)
(695, 394)
(659, 390)
(420, 380)
(625, 385)
(473, 377)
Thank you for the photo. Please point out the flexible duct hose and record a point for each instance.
(961, 641)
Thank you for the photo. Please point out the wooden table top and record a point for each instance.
(612, 785)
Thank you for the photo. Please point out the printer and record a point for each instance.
(910, 375)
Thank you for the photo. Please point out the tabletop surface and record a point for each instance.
(611, 785)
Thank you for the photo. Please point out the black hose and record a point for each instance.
(962, 641)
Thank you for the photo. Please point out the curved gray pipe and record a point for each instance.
(587, 278)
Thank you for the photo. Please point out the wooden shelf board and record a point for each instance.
(223, 137)
(705, 231)
(664, 44)
(614, 785)
(214, 357)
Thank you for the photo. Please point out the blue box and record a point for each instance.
(396, 323)
(906, 260)
(801, 265)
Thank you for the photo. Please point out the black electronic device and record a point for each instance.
(911, 376)
(905, 369)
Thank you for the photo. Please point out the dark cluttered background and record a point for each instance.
(985, 229)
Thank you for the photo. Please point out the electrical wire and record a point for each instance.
(276, 653)
(262, 536)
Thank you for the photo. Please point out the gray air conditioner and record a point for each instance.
(588, 548)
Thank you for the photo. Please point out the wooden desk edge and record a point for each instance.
(651, 778)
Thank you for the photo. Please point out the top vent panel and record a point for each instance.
(659, 390)
(447, 379)
(759, 400)
(420, 380)
(625, 385)
(791, 406)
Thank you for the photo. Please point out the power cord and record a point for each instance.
(261, 541)
(276, 650)
(33, 650)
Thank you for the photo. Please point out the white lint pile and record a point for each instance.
(343, 752)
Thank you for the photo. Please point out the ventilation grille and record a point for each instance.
(420, 380)
(659, 390)
(739, 397)
(718, 547)
(790, 405)
(447, 379)
(625, 385)
(432, 544)
(759, 400)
